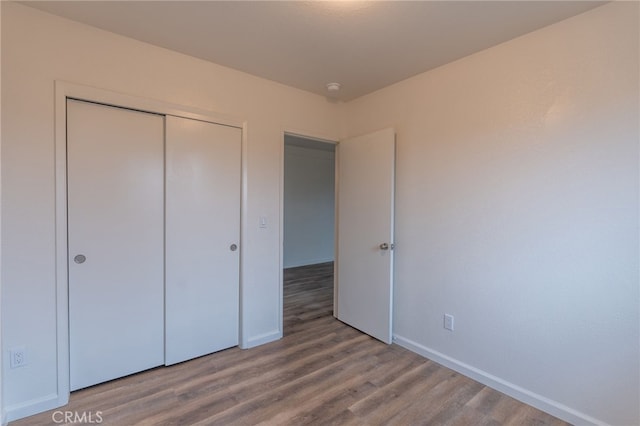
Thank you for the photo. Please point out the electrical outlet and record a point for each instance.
(17, 357)
(448, 322)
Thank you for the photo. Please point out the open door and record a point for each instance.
(364, 267)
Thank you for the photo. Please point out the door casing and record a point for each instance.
(320, 138)
(63, 91)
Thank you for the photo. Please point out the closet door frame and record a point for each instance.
(63, 91)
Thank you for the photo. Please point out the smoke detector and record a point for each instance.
(333, 87)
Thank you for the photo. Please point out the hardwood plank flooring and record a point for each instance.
(322, 372)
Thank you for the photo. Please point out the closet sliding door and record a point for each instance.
(153, 235)
(202, 206)
(115, 236)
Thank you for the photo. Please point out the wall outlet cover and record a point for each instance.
(448, 322)
(18, 357)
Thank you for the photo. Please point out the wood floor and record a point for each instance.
(322, 372)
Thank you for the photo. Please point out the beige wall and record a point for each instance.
(517, 199)
(38, 49)
(517, 212)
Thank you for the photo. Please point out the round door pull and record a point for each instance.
(384, 246)
(79, 258)
(233, 247)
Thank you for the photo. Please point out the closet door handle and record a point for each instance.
(79, 258)
(233, 247)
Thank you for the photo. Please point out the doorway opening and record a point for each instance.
(309, 212)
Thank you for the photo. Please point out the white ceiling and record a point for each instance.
(364, 45)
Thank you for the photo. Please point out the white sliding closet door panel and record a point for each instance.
(202, 237)
(115, 214)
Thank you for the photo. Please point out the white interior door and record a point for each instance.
(366, 169)
(202, 238)
(116, 237)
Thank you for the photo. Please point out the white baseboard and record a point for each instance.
(34, 406)
(538, 401)
(262, 339)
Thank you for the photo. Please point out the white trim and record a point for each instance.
(308, 135)
(242, 338)
(64, 90)
(61, 254)
(3, 416)
(28, 408)
(281, 237)
(540, 402)
(268, 337)
(109, 97)
(336, 236)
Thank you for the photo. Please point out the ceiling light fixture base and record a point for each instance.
(333, 87)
